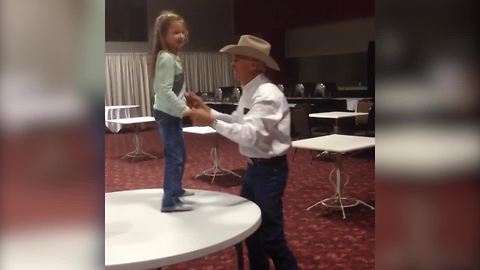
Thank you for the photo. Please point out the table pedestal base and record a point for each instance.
(337, 200)
(137, 152)
(216, 170)
(343, 202)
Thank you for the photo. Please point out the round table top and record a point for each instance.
(139, 236)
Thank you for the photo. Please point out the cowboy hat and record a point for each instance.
(253, 47)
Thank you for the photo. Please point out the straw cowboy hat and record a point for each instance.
(253, 47)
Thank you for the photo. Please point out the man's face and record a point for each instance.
(244, 68)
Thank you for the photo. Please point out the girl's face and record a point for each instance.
(175, 36)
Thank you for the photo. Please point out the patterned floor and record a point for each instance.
(319, 238)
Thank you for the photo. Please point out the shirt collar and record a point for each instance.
(254, 83)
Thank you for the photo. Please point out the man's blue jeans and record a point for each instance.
(170, 128)
(264, 185)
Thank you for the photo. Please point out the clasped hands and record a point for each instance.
(199, 111)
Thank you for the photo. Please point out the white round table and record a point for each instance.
(139, 236)
(119, 112)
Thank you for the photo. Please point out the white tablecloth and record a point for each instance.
(117, 112)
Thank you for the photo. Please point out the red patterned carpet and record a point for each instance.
(319, 238)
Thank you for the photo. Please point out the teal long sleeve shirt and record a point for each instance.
(169, 85)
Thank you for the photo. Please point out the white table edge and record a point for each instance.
(177, 258)
(332, 150)
(123, 121)
(329, 149)
(350, 114)
(142, 265)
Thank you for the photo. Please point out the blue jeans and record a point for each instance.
(170, 129)
(264, 185)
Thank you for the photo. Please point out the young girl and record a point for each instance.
(170, 34)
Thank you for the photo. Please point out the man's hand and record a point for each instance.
(199, 117)
(187, 113)
(195, 102)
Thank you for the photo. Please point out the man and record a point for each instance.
(261, 126)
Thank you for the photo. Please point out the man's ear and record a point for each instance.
(255, 65)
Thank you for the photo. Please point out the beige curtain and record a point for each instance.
(127, 81)
(205, 72)
(128, 84)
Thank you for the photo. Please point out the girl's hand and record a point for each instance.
(193, 101)
(200, 117)
(196, 102)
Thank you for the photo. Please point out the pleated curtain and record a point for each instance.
(127, 79)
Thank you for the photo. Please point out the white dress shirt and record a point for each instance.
(263, 131)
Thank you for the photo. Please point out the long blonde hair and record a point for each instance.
(162, 23)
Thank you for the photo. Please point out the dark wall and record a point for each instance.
(352, 67)
(210, 22)
(126, 20)
(215, 23)
(271, 18)
(253, 16)
(371, 66)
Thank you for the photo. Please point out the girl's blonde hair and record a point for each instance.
(160, 28)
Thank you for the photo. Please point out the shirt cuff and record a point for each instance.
(214, 124)
(214, 113)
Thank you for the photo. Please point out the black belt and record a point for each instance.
(267, 161)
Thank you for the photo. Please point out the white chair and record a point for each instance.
(299, 90)
(236, 93)
(281, 87)
(319, 90)
(218, 94)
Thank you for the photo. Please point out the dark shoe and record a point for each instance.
(176, 208)
(187, 193)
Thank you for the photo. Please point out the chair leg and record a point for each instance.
(294, 152)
